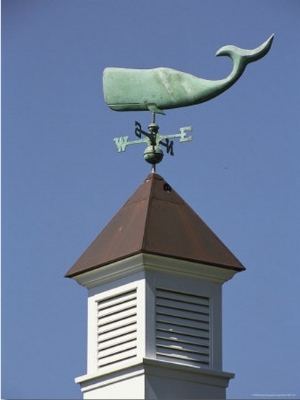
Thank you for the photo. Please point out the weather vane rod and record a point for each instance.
(160, 89)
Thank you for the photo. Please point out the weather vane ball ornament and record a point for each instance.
(160, 89)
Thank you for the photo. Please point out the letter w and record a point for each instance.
(121, 143)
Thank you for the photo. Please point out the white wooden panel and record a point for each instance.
(108, 344)
(176, 357)
(117, 299)
(182, 314)
(123, 330)
(115, 358)
(182, 338)
(108, 319)
(182, 297)
(184, 355)
(184, 330)
(183, 306)
(119, 348)
(117, 308)
(192, 348)
(131, 319)
(173, 320)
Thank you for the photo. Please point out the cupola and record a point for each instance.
(154, 277)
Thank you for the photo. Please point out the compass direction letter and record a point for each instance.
(121, 143)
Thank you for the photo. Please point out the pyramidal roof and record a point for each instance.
(156, 220)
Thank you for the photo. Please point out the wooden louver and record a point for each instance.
(117, 328)
(182, 328)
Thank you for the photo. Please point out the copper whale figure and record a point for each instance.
(159, 89)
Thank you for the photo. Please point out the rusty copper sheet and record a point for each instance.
(156, 220)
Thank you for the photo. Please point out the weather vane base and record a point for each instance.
(153, 153)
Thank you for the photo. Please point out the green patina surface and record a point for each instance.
(160, 89)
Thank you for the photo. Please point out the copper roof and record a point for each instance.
(156, 220)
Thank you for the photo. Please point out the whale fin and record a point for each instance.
(153, 108)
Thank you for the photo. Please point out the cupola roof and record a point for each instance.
(156, 220)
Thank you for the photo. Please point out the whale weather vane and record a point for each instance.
(159, 89)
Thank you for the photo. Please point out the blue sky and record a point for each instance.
(63, 180)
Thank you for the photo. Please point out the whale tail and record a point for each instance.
(242, 57)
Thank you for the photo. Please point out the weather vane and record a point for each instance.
(160, 89)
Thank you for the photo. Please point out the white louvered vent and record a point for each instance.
(117, 328)
(182, 328)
